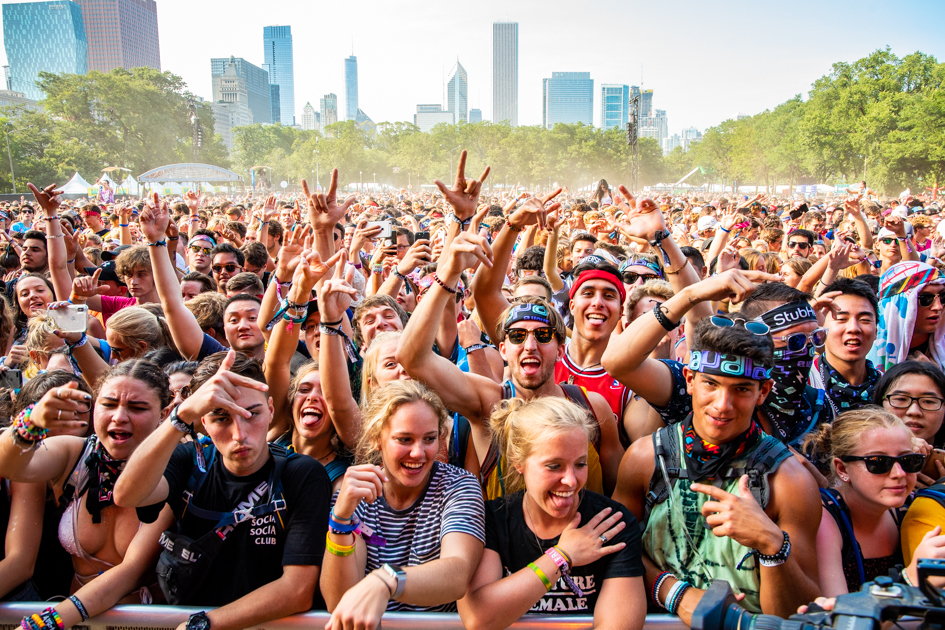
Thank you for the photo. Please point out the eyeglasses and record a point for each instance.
(631, 277)
(926, 403)
(882, 464)
(230, 268)
(888, 240)
(798, 245)
(197, 249)
(797, 341)
(927, 299)
(518, 335)
(755, 328)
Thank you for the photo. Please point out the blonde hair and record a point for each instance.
(519, 427)
(134, 324)
(38, 334)
(650, 288)
(368, 378)
(842, 437)
(383, 404)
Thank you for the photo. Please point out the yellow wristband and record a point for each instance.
(338, 550)
(541, 575)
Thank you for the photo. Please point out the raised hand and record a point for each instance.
(729, 257)
(192, 199)
(48, 198)
(219, 393)
(587, 544)
(534, 211)
(464, 195)
(740, 518)
(644, 220)
(417, 256)
(362, 234)
(84, 287)
(469, 248)
(734, 285)
(323, 209)
(335, 295)
(154, 219)
(61, 409)
(361, 483)
(311, 269)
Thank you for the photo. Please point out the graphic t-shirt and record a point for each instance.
(254, 551)
(508, 535)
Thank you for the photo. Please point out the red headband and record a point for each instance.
(598, 274)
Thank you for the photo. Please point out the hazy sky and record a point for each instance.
(706, 61)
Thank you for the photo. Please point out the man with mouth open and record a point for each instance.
(718, 497)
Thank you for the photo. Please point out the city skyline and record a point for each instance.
(278, 61)
(677, 67)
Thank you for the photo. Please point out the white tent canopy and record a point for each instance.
(76, 186)
(130, 186)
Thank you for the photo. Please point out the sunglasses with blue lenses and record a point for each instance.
(755, 328)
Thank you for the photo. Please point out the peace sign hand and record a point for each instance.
(61, 408)
(323, 210)
(219, 394)
(310, 270)
(48, 198)
(468, 248)
(464, 195)
(644, 220)
(740, 518)
(586, 544)
(335, 295)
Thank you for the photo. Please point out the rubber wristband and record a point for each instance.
(541, 575)
(724, 230)
(338, 550)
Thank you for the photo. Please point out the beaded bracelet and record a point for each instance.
(541, 575)
(512, 227)
(655, 591)
(338, 550)
(436, 279)
(26, 429)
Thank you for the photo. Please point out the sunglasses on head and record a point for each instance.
(798, 245)
(882, 464)
(797, 341)
(198, 249)
(927, 299)
(755, 328)
(518, 336)
(230, 268)
(631, 277)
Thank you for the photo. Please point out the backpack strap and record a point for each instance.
(665, 458)
(765, 460)
(578, 395)
(224, 519)
(836, 507)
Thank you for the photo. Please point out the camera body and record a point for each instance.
(879, 601)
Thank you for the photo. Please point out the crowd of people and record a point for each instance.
(493, 403)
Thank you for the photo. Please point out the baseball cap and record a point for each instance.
(112, 255)
(707, 222)
(108, 272)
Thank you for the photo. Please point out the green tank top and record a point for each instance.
(722, 558)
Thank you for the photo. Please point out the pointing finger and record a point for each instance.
(712, 491)
(228, 361)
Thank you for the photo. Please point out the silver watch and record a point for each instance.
(398, 574)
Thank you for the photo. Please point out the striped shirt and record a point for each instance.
(451, 502)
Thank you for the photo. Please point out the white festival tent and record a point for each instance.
(77, 186)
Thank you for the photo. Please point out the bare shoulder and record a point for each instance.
(794, 491)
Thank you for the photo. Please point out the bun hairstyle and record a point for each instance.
(383, 404)
(519, 427)
(831, 441)
(134, 324)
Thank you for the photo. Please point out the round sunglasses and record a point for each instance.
(755, 328)
(882, 464)
(797, 341)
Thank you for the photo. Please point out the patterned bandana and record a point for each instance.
(786, 406)
(704, 460)
(840, 394)
(103, 474)
(641, 262)
(528, 312)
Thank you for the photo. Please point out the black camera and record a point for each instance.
(879, 601)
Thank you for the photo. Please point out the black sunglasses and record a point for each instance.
(230, 268)
(755, 328)
(518, 335)
(927, 299)
(630, 277)
(797, 244)
(882, 464)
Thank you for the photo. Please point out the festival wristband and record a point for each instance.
(338, 550)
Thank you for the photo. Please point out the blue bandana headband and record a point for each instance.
(733, 365)
(201, 237)
(528, 313)
(641, 262)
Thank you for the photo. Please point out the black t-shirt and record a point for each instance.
(509, 536)
(255, 551)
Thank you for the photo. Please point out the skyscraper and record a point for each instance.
(457, 93)
(646, 103)
(505, 72)
(475, 115)
(351, 88)
(277, 41)
(43, 36)
(568, 97)
(614, 104)
(121, 34)
(308, 117)
(328, 105)
(429, 116)
(275, 103)
(258, 94)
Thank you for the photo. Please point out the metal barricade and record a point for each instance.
(161, 617)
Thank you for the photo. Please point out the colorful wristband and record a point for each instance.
(541, 575)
